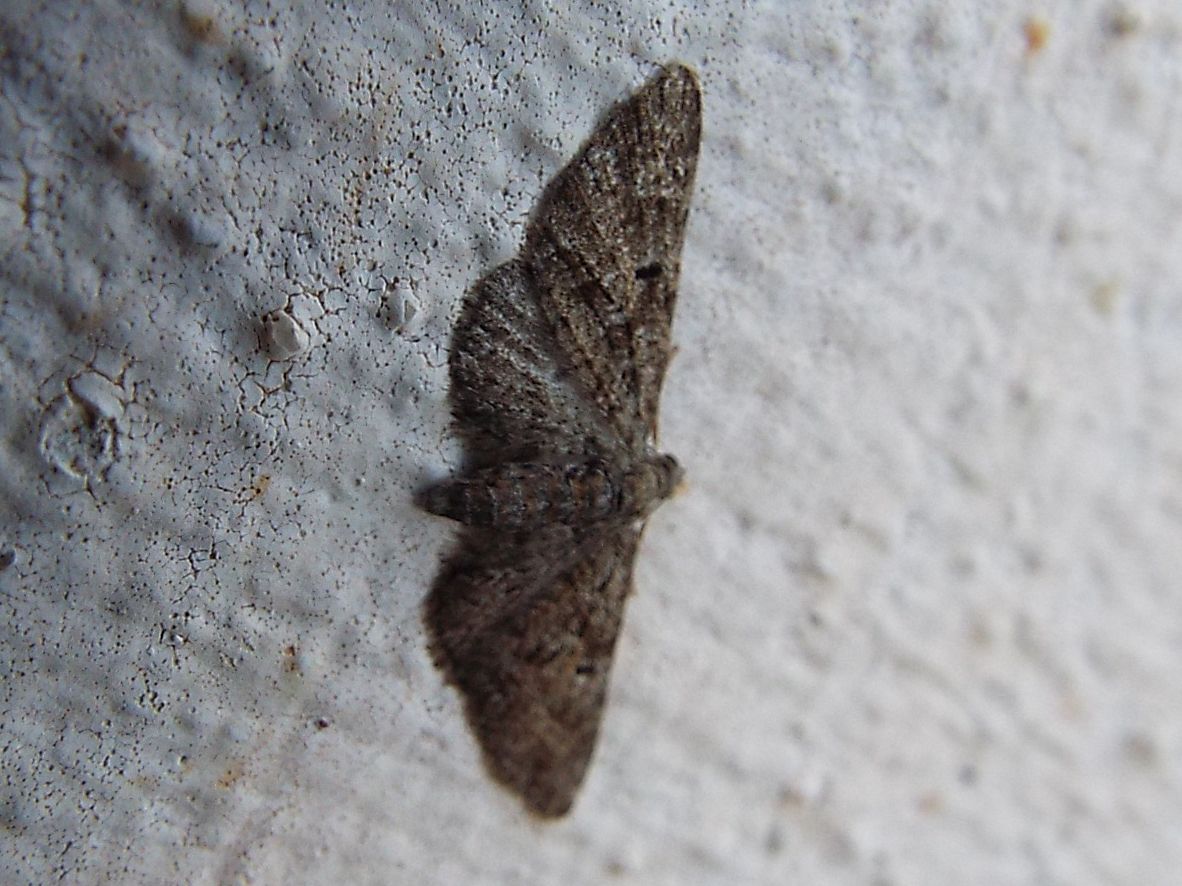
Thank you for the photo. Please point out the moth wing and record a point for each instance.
(527, 636)
(510, 398)
(604, 247)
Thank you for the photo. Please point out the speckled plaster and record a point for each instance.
(916, 619)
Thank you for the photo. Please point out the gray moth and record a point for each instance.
(556, 366)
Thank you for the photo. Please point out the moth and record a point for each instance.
(556, 366)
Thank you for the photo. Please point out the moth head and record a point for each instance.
(658, 479)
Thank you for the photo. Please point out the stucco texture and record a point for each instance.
(915, 619)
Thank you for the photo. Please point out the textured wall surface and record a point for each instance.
(916, 618)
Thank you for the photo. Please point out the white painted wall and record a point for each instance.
(917, 618)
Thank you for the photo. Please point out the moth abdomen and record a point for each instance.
(525, 495)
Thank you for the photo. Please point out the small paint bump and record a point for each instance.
(398, 306)
(78, 440)
(133, 152)
(282, 336)
(199, 23)
(196, 231)
(99, 393)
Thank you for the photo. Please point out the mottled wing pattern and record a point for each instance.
(604, 247)
(511, 399)
(527, 637)
(558, 358)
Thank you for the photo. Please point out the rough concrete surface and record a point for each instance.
(916, 618)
